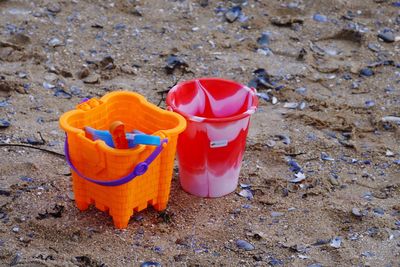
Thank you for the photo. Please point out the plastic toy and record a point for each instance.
(210, 150)
(121, 181)
(130, 139)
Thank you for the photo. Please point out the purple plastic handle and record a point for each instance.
(139, 169)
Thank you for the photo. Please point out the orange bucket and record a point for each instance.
(121, 181)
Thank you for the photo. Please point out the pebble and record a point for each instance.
(22, 74)
(48, 86)
(299, 177)
(264, 96)
(374, 47)
(274, 100)
(75, 90)
(62, 94)
(301, 90)
(174, 62)
(320, 18)
(366, 72)
(263, 41)
(16, 259)
(54, 42)
(54, 8)
(294, 166)
(368, 254)
(150, 264)
(325, 156)
(387, 36)
(285, 139)
(271, 143)
(277, 214)
(233, 14)
(357, 212)
(246, 193)
(242, 244)
(333, 180)
(119, 26)
(291, 105)
(336, 242)
(379, 211)
(71, 195)
(83, 72)
(369, 103)
(4, 123)
(302, 105)
(15, 229)
(391, 119)
(275, 262)
(92, 79)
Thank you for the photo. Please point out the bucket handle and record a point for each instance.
(138, 170)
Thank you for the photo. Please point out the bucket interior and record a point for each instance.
(127, 109)
(211, 98)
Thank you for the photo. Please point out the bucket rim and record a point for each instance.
(251, 110)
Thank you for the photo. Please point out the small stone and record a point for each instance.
(119, 26)
(325, 156)
(4, 123)
(51, 77)
(320, 18)
(54, 42)
(242, 244)
(299, 177)
(368, 254)
(275, 262)
(291, 105)
(301, 90)
(356, 212)
(379, 211)
(62, 94)
(54, 8)
(366, 72)
(271, 143)
(107, 63)
(389, 153)
(264, 96)
(277, 214)
(233, 14)
(369, 103)
(22, 74)
(387, 36)
(274, 100)
(391, 119)
(374, 47)
(150, 264)
(204, 3)
(92, 79)
(333, 181)
(75, 90)
(71, 195)
(263, 41)
(336, 242)
(16, 259)
(246, 193)
(48, 85)
(15, 229)
(83, 72)
(285, 139)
